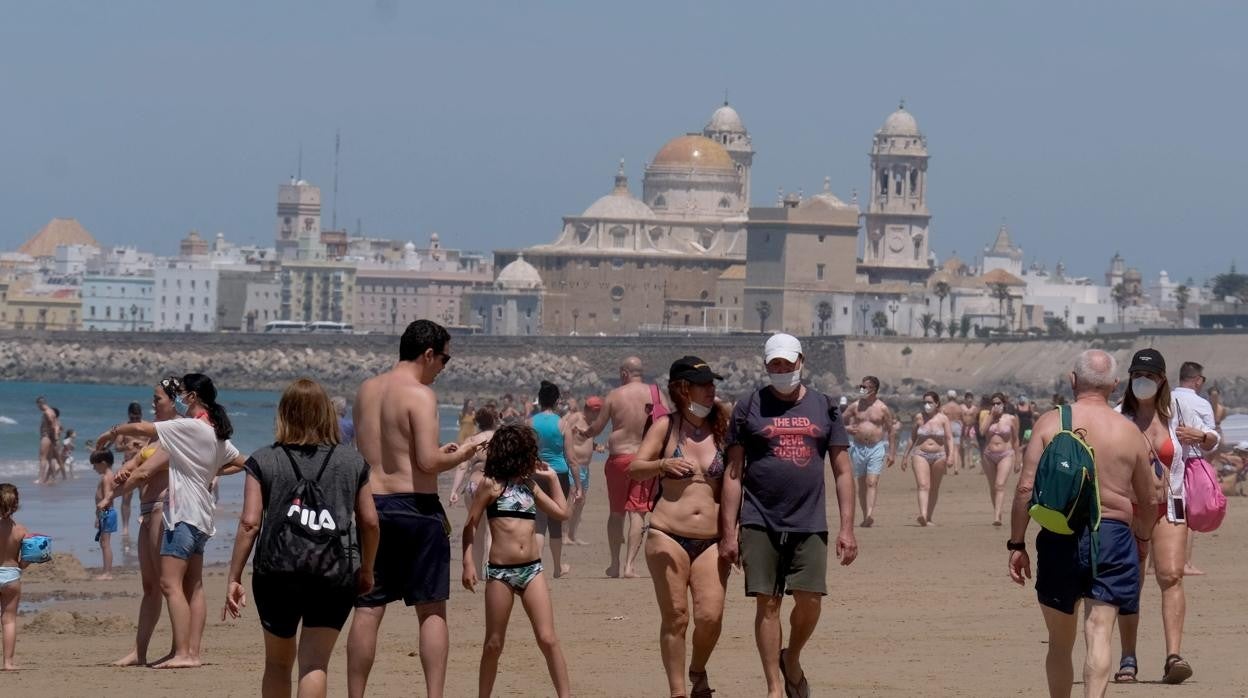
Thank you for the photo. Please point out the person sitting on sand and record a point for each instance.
(510, 497)
(105, 514)
(11, 566)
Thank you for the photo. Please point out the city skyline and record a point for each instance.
(189, 119)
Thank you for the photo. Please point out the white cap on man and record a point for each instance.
(952, 394)
(782, 346)
(1242, 447)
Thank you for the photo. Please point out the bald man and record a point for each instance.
(626, 408)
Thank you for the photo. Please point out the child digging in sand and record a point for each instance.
(509, 497)
(105, 514)
(11, 566)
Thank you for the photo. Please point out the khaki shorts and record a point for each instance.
(780, 563)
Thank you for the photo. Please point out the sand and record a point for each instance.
(923, 612)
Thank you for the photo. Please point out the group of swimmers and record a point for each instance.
(701, 484)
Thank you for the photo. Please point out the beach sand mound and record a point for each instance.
(63, 567)
(73, 623)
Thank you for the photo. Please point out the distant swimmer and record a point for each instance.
(873, 428)
(49, 430)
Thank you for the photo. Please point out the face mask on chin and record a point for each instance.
(1144, 388)
(786, 382)
(698, 410)
(929, 407)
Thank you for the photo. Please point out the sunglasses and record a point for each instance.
(446, 358)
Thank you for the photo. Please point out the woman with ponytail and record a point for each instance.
(199, 449)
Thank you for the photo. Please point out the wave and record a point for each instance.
(15, 468)
(7, 420)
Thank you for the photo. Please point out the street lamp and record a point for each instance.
(394, 315)
(576, 313)
(893, 307)
(134, 318)
(863, 309)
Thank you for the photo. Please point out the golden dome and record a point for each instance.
(694, 151)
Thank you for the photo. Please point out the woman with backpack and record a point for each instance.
(685, 450)
(305, 497)
(1148, 403)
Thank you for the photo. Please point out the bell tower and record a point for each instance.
(897, 219)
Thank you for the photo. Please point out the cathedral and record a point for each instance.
(629, 264)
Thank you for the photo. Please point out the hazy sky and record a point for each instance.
(1088, 127)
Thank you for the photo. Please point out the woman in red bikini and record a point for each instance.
(1000, 454)
(1148, 403)
(685, 449)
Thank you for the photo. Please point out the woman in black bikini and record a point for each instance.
(686, 450)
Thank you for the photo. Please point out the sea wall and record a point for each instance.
(483, 365)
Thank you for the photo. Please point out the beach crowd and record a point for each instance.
(341, 515)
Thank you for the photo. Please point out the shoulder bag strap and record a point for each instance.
(325, 463)
(294, 466)
(1067, 421)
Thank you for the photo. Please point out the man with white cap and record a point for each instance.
(874, 429)
(773, 516)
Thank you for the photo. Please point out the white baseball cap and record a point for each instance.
(782, 346)
(1241, 446)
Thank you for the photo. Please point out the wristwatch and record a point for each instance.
(1020, 547)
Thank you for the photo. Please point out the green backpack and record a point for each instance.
(1066, 498)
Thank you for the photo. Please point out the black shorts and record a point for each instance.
(414, 554)
(1064, 569)
(283, 600)
(544, 524)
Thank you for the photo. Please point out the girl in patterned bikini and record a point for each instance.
(509, 497)
(930, 452)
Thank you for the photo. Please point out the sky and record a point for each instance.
(1088, 128)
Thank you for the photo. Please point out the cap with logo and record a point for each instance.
(782, 346)
(694, 370)
(1148, 361)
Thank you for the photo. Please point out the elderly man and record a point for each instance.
(773, 515)
(874, 429)
(1065, 572)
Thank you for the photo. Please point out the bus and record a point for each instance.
(330, 327)
(285, 327)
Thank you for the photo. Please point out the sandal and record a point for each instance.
(701, 687)
(1127, 670)
(1177, 670)
(793, 689)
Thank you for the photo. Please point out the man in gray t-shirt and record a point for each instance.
(772, 509)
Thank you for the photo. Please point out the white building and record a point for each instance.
(185, 297)
(71, 260)
(117, 303)
(299, 222)
(512, 305)
(122, 261)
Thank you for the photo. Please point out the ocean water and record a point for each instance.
(65, 510)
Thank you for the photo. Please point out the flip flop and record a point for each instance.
(1177, 670)
(1127, 669)
(701, 687)
(800, 689)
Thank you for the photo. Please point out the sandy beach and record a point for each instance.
(923, 612)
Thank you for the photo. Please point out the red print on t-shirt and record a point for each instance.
(789, 436)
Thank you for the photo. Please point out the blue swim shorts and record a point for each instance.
(1064, 569)
(868, 460)
(108, 520)
(183, 542)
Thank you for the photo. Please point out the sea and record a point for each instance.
(65, 511)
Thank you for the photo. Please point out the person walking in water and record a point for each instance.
(627, 409)
(396, 430)
(874, 430)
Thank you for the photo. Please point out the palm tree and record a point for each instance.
(926, 320)
(1182, 295)
(938, 328)
(942, 292)
(964, 327)
(763, 308)
(1001, 292)
(952, 328)
(879, 321)
(1120, 300)
(824, 311)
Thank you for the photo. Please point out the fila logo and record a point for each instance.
(311, 520)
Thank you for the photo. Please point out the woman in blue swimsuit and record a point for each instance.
(686, 450)
(509, 497)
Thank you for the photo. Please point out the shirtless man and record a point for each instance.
(970, 420)
(870, 423)
(581, 450)
(626, 409)
(396, 422)
(49, 435)
(953, 412)
(1063, 575)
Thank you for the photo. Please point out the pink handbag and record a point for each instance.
(1202, 494)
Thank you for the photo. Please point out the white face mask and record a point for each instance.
(929, 407)
(785, 382)
(864, 392)
(1144, 388)
(699, 411)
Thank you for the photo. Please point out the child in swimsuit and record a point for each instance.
(509, 497)
(11, 566)
(105, 514)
